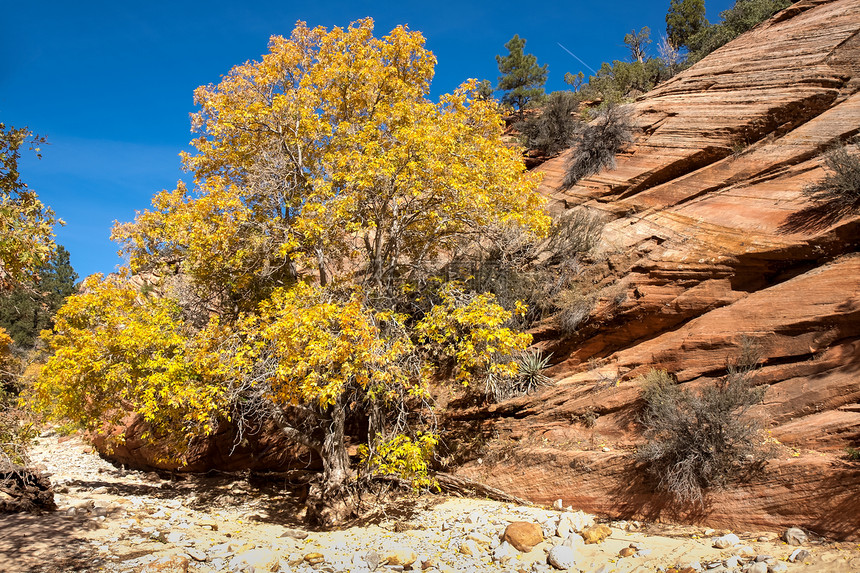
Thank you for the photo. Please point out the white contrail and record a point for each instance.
(577, 57)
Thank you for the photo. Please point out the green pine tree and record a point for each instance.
(522, 78)
(29, 308)
(685, 19)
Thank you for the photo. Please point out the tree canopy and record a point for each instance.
(684, 20)
(522, 78)
(28, 308)
(328, 194)
(26, 225)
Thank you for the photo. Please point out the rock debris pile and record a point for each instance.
(114, 520)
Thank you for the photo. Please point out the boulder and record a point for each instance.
(523, 535)
(596, 533)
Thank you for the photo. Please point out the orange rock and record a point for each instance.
(711, 242)
(596, 533)
(523, 535)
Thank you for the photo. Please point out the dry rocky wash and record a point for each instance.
(116, 520)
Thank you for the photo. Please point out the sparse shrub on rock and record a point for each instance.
(553, 129)
(597, 143)
(700, 439)
(840, 189)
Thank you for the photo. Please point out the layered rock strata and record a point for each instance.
(712, 246)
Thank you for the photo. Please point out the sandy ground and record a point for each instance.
(110, 519)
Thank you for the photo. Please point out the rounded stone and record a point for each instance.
(523, 535)
(561, 557)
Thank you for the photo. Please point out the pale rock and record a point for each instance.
(371, 559)
(402, 555)
(473, 517)
(732, 562)
(565, 526)
(294, 533)
(777, 567)
(548, 527)
(196, 554)
(83, 504)
(479, 538)
(760, 567)
(794, 536)
(469, 547)
(561, 557)
(579, 520)
(726, 541)
(260, 559)
(503, 552)
(221, 550)
(175, 537)
(210, 523)
(798, 555)
(745, 551)
(558, 504)
(573, 540)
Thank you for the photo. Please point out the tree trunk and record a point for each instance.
(328, 502)
(335, 459)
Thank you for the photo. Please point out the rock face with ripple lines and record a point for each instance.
(712, 245)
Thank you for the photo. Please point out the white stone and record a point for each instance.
(726, 541)
(503, 552)
(794, 536)
(561, 557)
(573, 541)
(579, 520)
(469, 547)
(196, 554)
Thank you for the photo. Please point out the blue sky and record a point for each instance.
(110, 83)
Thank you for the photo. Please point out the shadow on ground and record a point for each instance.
(46, 543)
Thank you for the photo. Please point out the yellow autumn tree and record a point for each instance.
(26, 244)
(26, 225)
(328, 193)
(327, 154)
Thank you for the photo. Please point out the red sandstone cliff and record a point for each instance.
(712, 242)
